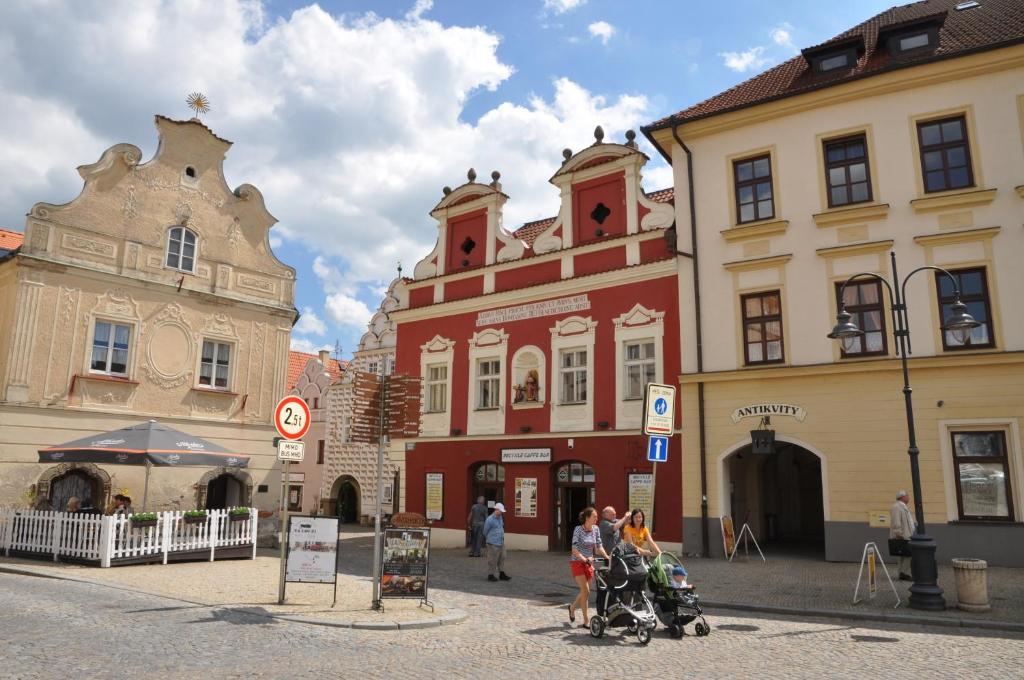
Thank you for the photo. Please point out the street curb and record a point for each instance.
(868, 616)
(453, 616)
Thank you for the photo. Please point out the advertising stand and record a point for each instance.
(312, 551)
(405, 557)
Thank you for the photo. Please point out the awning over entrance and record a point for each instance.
(146, 443)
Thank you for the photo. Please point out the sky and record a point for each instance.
(350, 116)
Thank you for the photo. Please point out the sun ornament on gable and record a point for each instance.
(638, 316)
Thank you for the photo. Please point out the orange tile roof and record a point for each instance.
(531, 230)
(297, 364)
(9, 240)
(990, 25)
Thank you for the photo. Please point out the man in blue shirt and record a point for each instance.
(494, 536)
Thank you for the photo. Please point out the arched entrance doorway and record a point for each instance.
(574, 490)
(487, 480)
(84, 481)
(346, 499)
(223, 491)
(781, 495)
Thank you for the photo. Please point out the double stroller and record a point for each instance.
(675, 607)
(621, 600)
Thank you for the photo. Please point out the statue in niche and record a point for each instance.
(532, 388)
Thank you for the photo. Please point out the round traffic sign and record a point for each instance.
(292, 417)
(660, 406)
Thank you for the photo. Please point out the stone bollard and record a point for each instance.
(971, 577)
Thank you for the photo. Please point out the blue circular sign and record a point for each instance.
(660, 406)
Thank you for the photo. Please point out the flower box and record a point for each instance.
(238, 517)
(143, 523)
(195, 519)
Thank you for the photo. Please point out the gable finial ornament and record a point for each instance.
(566, 155)
(599, 135)
(446, 190)
(631, 139)
(199, 103)
(471, 175)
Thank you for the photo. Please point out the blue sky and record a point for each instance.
(351, 116)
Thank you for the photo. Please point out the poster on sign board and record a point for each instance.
(312, 550)
(526, 496)
(435, 495)
(404, 568)
(641, 493)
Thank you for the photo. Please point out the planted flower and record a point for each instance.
(143, 519)
(194, 516)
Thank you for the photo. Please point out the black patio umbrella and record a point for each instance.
(148, 444)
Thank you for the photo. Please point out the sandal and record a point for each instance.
(572, 615)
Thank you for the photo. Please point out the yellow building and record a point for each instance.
(152, 295)
(904, 134)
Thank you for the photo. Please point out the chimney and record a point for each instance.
(325, 355)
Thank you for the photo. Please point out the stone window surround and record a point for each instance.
(133, 341)
(232, 362)
(639, 323)
(438, 350)
(490, 343)
(574, 332)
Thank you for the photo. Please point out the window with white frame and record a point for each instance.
(346, 429)
(389, 367)
(488, 383)
(371, 367)
(181, 249)
(110, 348)
(437, 388)
(215, 364)
(573, 373)
(639, 366)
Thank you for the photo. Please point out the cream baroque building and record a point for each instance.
(904, 134)
(349, 487)
(153, 294)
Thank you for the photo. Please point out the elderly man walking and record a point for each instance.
(475, 520)
(901, 527)
(494, 535)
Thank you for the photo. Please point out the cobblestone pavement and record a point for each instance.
(59, 629)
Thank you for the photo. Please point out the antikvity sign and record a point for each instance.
(762, 410)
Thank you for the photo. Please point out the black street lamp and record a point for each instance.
(925, 593)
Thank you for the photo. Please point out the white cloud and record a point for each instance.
(349, 125)
(782, 35)
(602, 30)
(309, 323)
(748, 60)
(563, 6)
(347, 311)
(308, 346)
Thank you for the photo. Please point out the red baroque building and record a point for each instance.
(534, 348)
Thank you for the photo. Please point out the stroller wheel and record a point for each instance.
(597, 626)
(675, 630)
(631, 627)
(702, 629)
(643, 634)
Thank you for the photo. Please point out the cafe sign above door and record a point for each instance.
(762, 410)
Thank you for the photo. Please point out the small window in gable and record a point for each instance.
(468, 245)
(181, 249)
(914, 41)
(833, 62)
(190, 172)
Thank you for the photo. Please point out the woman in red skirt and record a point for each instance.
(586, 544)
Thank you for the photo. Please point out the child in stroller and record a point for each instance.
(622, 602)
(675, 603)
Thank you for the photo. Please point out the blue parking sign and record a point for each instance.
(657, 449)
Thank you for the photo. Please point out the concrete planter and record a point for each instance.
(971, 577)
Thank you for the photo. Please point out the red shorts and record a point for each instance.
(580, 568)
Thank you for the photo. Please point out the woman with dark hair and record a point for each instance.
(636, 532)
(586, 544)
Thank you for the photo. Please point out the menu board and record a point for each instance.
(435, 495)
(526, 496)
(404, 568)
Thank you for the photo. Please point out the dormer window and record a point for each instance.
(914, 41)
(181, 249)
(833, 62)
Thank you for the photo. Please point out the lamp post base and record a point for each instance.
(925, 593)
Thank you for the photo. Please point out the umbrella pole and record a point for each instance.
(145, 491)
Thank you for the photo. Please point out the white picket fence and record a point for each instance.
(112, 539)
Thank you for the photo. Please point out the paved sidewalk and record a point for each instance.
(250, 586)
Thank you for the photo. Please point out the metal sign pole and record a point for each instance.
(284, 529)
(654, 483)
(377, 543)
